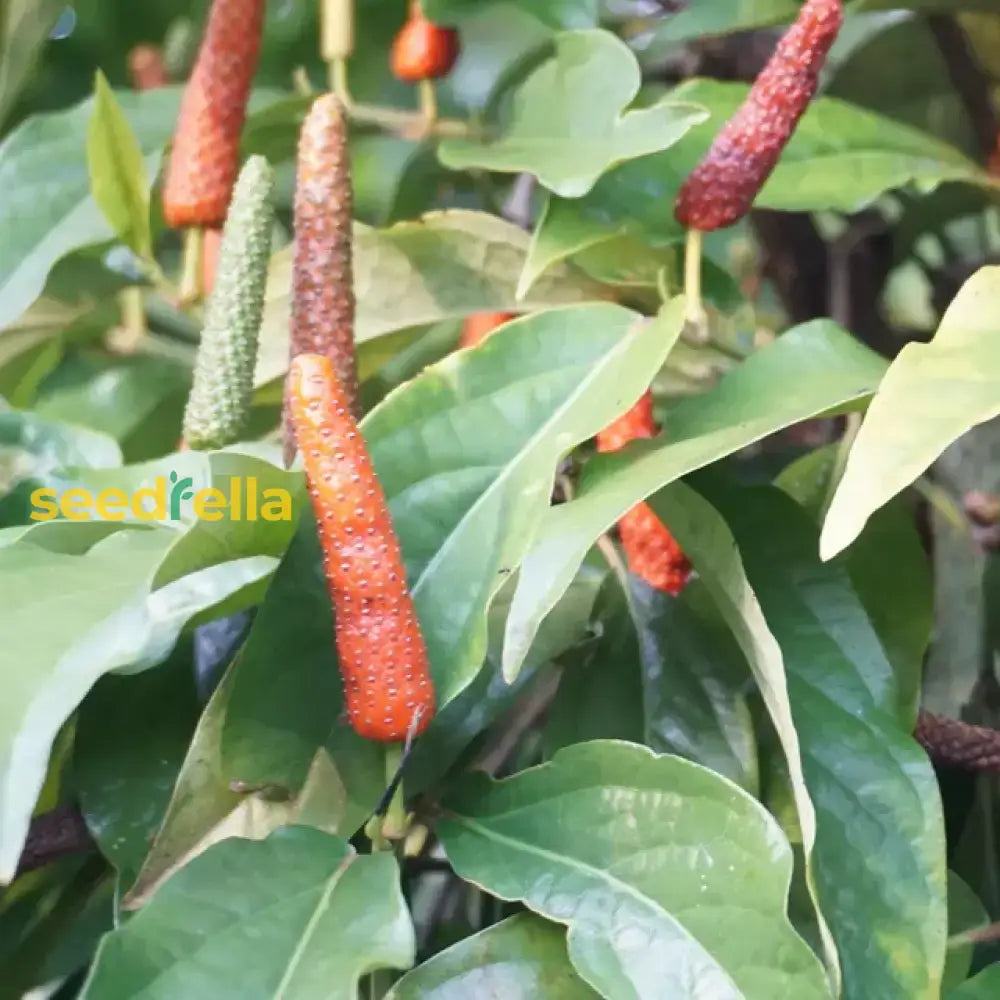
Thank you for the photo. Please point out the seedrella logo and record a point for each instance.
(172, 498)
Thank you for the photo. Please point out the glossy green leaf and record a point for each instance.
(61, 632)
(521, 958)
(44, 161)
(467, 466)
(874, 791)
(657, 887)
(568, 122)
(660, 674)
(932, 394)
(809, 370)
(298, 915)
(277, 720)
(118, 179)
(24, 28)
(487, 701)
(889, 571)
(207, 805)
(445, 265)
(985, 986)
(131, 737)
(171, 572)
(138, 401)
(834, 141)
(31, 446)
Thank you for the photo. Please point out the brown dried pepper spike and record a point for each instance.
(205, 158)
(383, 658)
(723, 186)
(322, 276)
(652, 551)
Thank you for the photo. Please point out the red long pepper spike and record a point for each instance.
(383, 658)
(205, 158)
(652, 552)
(724, 185)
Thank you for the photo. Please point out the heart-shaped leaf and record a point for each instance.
(657, 887)
(298, 915)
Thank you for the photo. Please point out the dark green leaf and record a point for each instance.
(874, 792)
(658, 889)
(298, 915)
(810, 369)
(521, 958)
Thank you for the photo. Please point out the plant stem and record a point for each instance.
(338, 82)
(191, 272)
(428, 102)
(395, 823)
(697, 318)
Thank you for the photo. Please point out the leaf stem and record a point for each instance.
(697, 318)
(191, 271)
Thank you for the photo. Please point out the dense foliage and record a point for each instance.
(739, 785)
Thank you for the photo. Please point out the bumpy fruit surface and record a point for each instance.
(723, 186)
(652, 552)
(423, 50)
(204, 160)
(220, 397)
(479, 326)
(383, 658)
(322, 274)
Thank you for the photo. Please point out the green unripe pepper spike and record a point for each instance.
(219, 403)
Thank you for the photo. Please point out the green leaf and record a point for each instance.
(445, 265)
(662, 674)
(298, 915)
(521, 958)
(43, 161)
(933, 393)
(31, 446)
(24, 29)
(277, 720)
(131, 737)
(985, 986)
(965, 913)
(834, 141)
(465, 468)
(163, 576)
(874, 791)
(721, 17)
(568, 122)
(657, 889)
(207, 806)
(889, 571)
(61, 632)
(138, 401)
(554, 13)
(118, 179)
(488, 699)
(807, 371)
